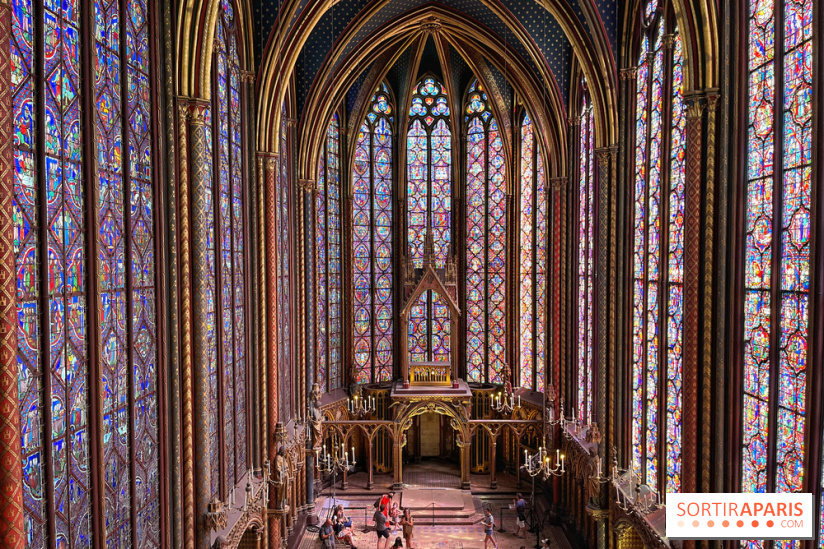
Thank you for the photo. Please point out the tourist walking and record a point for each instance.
(380, 527)
(520, 511)
(489, 529)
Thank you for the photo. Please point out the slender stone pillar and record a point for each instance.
(185, 315)
(12, 532)
(493, 479)
(273, 397)
(369, 467)
(200, 172)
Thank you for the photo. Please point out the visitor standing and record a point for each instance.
(489, 529)
(520, 511)
(380, 527)
(407, 522)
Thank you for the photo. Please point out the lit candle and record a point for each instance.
(562, 463)
(353, 454)
(519, 401)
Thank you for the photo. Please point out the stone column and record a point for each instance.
(12, 533)
(275, 533)
(185, 315)
(200, 173)
(464, 450)
(397, 461)
(369, 467)
(493, 443)
(605, 313)
(692, 250)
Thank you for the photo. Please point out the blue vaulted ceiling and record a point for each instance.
(541, 27)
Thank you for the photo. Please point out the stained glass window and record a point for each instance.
(372, 242)
(778, 199)
(51, 228)
(532, 261)
(328, 261)
(658, 244)
(485, 241)
(586, 271)
(430, 331)
(228, 198)
(429, 204)
(283, 198)
(429, 172)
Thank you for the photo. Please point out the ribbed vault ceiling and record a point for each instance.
(539, 28)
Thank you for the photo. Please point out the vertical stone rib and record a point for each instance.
(707, 327)
(173, 367)
(692, 263)
(271, 330)
(12, 533)
(200, 334)
(186, 327)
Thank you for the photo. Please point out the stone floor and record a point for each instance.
(417, 479)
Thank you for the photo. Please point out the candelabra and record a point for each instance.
(332, 462)
(551, 409)
(645, 499)
(360, 406)
(506, 402)
(537, 464)
(217, 512)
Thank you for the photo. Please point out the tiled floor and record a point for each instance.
(452, 537)
(427, 536)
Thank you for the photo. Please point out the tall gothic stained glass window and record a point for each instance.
(429, 209)
(372, 241)
(429, 172)
(485, 241)
(532, 261)
(777, 264)
(229, 245)
(283, 198)
(658, 255)
(586, 269)
(55, 276)
(328, 261)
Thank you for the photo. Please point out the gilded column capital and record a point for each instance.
(628, 73)
(193, 110)
(291, 122)
(247, 77)
(558, 184)
(605, 155)
(308, 185)
(574, 120)
(669, 40)
(696, 102)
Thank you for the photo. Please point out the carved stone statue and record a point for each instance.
(508, 378)
(280, 478)
(316, 416)
(593, 485)
(594, 434)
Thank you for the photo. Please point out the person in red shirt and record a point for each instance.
(384, 504)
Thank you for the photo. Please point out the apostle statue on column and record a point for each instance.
(316, 416)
